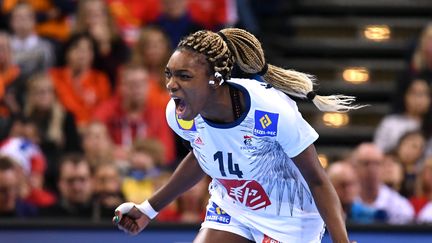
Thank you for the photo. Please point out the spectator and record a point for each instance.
(130, 15)
(424, 193)
(153, 50)
(346, 182)
(214, 14)
(97, 144)
(94, 16)
(409, 151)
(146, 157)
(421, 61)
(52, 16)
(423, 189)
(79, 86)
(11, 182)
(76, 190)
(415, 107)
(32, 53)
(176, 20)
(9, 80)
(56, 127)
(368, 161)
(107, 183)
(393, 173)
(31, 160)
(130, 114)
(9, 72)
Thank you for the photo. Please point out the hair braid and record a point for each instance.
(244, 48)
(214, 48)
(249, 56)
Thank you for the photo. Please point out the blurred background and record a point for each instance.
(82, 110)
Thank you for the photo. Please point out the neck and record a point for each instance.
(23, 36)
(413, 115)
(369, 194)
(132, 106)
(77, 72)
(220, 108)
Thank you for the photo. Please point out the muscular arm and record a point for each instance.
(187, 174)
(323, 192)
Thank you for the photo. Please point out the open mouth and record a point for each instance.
(180, 106)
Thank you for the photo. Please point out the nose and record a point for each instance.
(172, 85)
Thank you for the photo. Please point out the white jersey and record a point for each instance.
(249, 159)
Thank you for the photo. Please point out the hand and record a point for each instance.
(129, 219)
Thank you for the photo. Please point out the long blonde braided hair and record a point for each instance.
(236, 45)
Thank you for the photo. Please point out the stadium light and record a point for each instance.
(356, 75)
(377, 33)
(336, 120)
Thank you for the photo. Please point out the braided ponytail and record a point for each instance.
(249, 56)
(231, 45)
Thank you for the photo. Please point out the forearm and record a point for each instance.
(330, 209)
(323, 192)
(187, 174)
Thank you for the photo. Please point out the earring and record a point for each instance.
(219, 76)
(211, 82)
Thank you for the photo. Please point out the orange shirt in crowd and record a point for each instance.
(157, 93)
(57, 28)
(130, 15)
(151, 123)
(7, 77)
(209, 13)
(80, 97)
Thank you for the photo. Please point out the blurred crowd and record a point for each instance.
(82, 114)
(82, 103)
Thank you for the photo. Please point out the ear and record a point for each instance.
(216, 80)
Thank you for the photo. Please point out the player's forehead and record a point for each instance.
(185, 59)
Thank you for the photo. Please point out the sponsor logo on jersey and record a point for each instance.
(246, 192)
(247, 140)
(216, 214)
(198, 141)
(268, 239)
(186, 125)
(265, 124)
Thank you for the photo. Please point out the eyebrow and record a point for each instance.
(177, 71)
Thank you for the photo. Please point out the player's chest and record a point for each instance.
(228, 154)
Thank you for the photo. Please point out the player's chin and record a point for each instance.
(188, 115)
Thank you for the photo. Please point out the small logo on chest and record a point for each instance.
(198, 141)
(247, 141)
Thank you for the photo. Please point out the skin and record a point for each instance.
(418, 99)
(80, 57)
(75, 182)
(23, 21)
(42, 95)
(368, 161)
(345, 181)
(8, 190)
(187, 75)
(133, 89)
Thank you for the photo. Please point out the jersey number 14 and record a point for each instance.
(233, 169)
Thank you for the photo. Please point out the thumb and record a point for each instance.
(124, 208)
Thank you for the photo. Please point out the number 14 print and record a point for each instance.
(233, 169)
